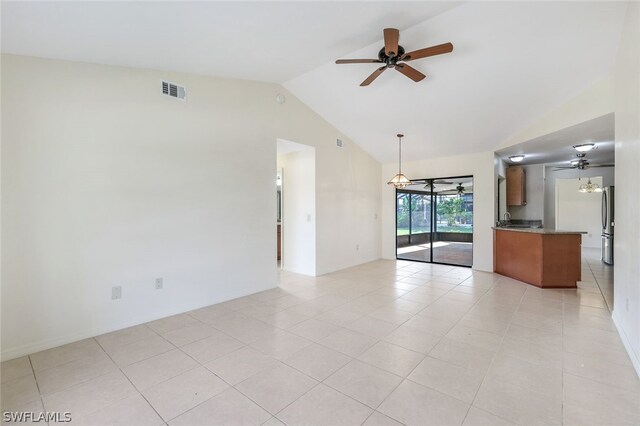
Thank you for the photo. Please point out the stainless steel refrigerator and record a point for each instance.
(607, 224)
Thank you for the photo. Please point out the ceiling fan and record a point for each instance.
(459, 190)
(581, 164)
(392, 55)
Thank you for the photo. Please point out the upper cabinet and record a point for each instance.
(516, 193)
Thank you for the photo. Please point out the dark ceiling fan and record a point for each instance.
(581, 164)
(458, 190)
(392, 55)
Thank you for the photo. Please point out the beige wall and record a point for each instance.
(626, 312)
(105, 183)
(481, 166)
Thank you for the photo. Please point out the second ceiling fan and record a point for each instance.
(392, 55)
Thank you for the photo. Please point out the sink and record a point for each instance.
(520, 226)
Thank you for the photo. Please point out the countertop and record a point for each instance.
(538, 230)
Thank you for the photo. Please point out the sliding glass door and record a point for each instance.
(434, 221)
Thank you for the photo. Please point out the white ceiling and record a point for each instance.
(557, 147)
(512, 63)
(266, 41)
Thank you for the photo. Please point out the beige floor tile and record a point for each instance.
(379, 419)
(159, 368)
(15, 368)
(414, 404)
(190, 333)
(209, 314)
(139, 350)
(478, 417)
(349, 342)
(113, 340)
(543, 380)
(392, 315)
(462, 354)
(616, 375)
(66, 375)
(273, 421)
(134, 410)
(241, 364)
(534, 335)
(245, 329)
(590, 402)
(430, 325)
(475, 337)
(228, 408)
(392, 358)
(324, 406)
(17, 392)
(449, 379)
(518, 405)
(546, 355)
(317, 361)
(64, 354)
(373, 327)
(283, 319)
(15, 413)
(183, 392)
(212, 347)
(313, 329)
(413, 339)
(174, 322)
(91, 396)
(281, 344)
(277, 387)
(366, 383)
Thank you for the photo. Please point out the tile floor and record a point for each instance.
(386, 343)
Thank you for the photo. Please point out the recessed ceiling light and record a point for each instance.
(584, 147)
(516, 158)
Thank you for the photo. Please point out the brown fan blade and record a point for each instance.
(410, 72)
(391, 36)
(373, 76)
(563, 168)
(428, 51)
(358, 61)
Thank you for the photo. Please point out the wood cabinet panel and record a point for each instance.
(516, 186)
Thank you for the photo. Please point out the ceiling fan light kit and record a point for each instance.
(392, 55)
(584, 147)
(399, 181)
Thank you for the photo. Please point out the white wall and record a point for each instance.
(299, 211)
(608, 179)
(481, 166)
(106, 182)
(626, 313)
(577, 211)
(534, 186)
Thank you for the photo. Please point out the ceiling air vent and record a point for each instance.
(173, 90)
(339, 143)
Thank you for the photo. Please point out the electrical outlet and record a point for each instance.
(159, 283)
(116, 292)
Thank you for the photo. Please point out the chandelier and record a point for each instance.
(399, 181)
(589, 187)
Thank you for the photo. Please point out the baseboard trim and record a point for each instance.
(635, 359)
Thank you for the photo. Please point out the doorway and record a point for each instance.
(434, 221)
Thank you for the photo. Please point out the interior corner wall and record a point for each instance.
(626, 311)
(608, 179)
(299, 211)
(106, 182)
(481, 166)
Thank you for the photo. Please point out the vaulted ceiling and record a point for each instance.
(512, 62)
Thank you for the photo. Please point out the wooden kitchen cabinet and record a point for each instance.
(516, 188)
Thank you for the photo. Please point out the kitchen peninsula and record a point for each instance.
(542, 257)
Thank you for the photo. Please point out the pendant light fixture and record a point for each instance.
(399, 181)
(589, 187)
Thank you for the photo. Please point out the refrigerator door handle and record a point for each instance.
(604, 211)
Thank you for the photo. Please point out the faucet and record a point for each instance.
(506, 218)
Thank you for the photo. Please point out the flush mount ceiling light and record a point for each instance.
(516, 158)
(589, 187)
(399, 181)
(584, 147)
